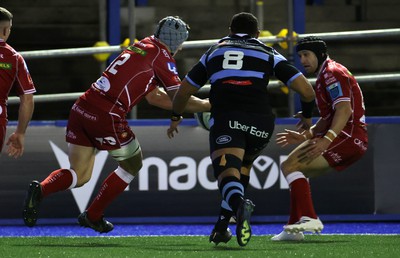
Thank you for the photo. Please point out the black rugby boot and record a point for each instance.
(31, 204)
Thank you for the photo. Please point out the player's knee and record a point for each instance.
(134, 169)
(82, 181)
(82, 175)
(127, 152)
(133, 164)
(248, 162)
(224, 162)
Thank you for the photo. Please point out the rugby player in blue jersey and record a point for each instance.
(239, 68)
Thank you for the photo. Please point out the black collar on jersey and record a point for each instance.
(236, 37)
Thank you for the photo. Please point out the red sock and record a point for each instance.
(301, 202)
(57, 181)
(294, 211)
(110, 189)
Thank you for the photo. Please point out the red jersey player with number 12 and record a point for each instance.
(98, 121)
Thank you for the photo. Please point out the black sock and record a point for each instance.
(232, 191)
(244, 180)
(225, 214)
(223, 220)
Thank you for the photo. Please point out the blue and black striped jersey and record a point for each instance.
(239, 68)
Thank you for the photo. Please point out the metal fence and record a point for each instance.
(344, 35)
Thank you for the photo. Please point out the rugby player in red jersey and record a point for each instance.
(337, 140)
(97, 121)
(13, 74)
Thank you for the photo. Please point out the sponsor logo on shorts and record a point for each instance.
(84, 113)
(107, 140)
(360, 144)
(223, 139)
(71, 135)
(335, 156)
(250, 129)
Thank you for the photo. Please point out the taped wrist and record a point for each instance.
(176, 116)
(307, 108)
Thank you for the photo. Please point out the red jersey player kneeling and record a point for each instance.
(337, 140)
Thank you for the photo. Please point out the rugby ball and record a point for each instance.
(203, 119)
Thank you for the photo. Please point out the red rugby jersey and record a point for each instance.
(13, 73)
(335, 84)
(133, 74)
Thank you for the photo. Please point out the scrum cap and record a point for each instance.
(314, 44)
(172, 31)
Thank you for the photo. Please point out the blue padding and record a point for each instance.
(142, 2)
(383, 120)
(209, 220)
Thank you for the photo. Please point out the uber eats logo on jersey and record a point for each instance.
(182, 173)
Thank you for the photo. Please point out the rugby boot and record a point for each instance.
(101, 226)
(218, 237)
(243, 228)
(31, 204)
(305, 224)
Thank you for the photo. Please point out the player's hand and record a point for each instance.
(173, 128)
(304, 123)
(15, 145)
(313, 149)
(289, 137)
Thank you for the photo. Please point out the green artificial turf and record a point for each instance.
(319, 246)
